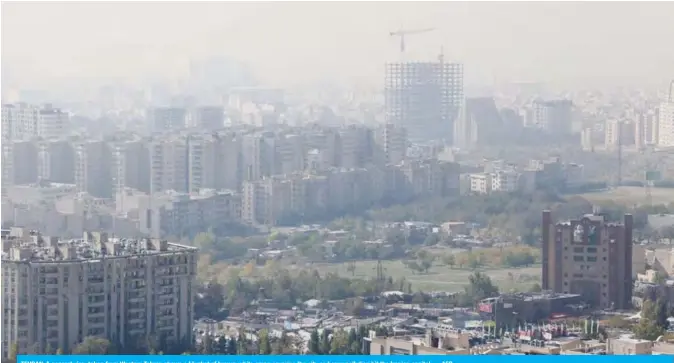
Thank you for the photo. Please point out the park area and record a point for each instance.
(440, 277)
(631, 196)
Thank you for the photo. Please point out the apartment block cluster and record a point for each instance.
(292, 197)
(56, 292)
(20, 121)
(176, 181)
(554, 116)
(636, 128)
(499, 176)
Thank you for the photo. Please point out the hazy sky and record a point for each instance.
(347, 41)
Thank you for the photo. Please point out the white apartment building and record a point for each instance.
(19, 121)
(505, 181)
(586, 139)
(480, 183)
(618, 133)
(168, 165)
(666, 125)
(24, 121)
(499, 181)
(57, 292)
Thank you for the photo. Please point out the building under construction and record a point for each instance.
(424, 98)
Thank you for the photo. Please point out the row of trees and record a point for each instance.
(341, 342)
(284, 290)
(94, 345)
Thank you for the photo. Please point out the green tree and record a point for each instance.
(351, 268)
(473, 261)
(264, 343)
(432, 239)
(284, 345)
(353, 346)
(339, 343)
(206, 346)
(449, 260)
(231, 346)
(220, 346)
(536, 288)
(314, 343)
(660, 278)
(325, 342)
(480, 287)
(93, 346)
(653, 321)
(426, 264)
(242, 343)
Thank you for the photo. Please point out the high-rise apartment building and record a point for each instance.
(132, 167)
(619, 133)
(58, 292)
(666, 120)
(589, 256)
(391, 144)
(209, 118)
(168, 118)
(52, 123)
(20, 162)
(19, 121)
(356, 144)
(227, 161)
(479, 123)
(424, 98)
(94, 168)
(168, 164)
(554, 116)
(57, 161)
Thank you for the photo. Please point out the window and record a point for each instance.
(592, 250)
(591, 258)
(578, 249)
(578, 258)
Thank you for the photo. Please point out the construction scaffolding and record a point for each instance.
(424, 98)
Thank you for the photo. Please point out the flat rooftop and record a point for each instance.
(34, 248)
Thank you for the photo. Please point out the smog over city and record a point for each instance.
(337, 178)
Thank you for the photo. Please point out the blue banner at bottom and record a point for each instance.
(450, 358)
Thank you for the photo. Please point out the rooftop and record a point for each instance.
(29, 246)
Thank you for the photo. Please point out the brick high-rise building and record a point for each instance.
(589, 256)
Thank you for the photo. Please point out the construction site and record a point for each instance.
(423, 96)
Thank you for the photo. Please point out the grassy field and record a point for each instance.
(440, 277)
(631, 195)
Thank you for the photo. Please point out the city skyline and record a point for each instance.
(286, 49)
